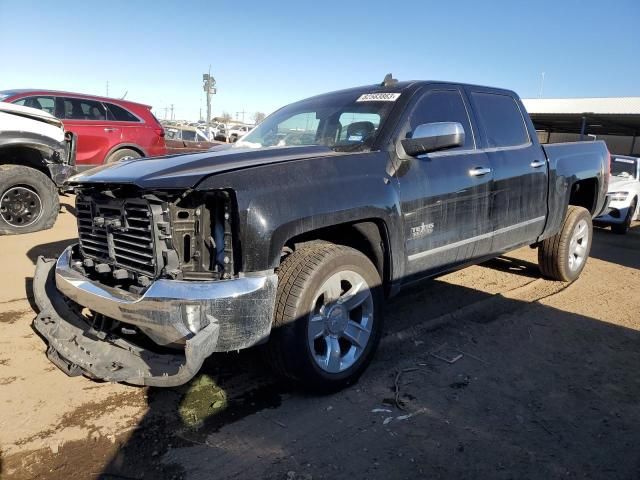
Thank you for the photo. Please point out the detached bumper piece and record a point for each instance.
(77, 348)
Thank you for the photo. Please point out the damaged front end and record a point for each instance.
(152, 288)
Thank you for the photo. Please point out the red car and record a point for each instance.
(107, 129)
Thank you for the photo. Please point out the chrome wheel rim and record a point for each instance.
(340, 322)
(20, 207)
(578, 245)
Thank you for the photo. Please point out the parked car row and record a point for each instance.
(107, 129)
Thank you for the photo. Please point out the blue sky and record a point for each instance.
(265, 54)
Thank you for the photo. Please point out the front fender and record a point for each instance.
(280, 201)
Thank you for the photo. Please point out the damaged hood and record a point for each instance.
(185, 171)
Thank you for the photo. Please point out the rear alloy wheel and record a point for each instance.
(623, 228)
(563, 256)
(327, 321)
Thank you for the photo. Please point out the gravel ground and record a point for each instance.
(545, 385)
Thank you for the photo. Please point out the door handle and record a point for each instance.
(110, 129)
(537, 164)
(479, 171)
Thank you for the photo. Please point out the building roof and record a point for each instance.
(602, 105)
(600, 116)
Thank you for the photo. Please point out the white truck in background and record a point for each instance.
(623, 193)
(36, 157)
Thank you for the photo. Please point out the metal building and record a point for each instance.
(615, 120)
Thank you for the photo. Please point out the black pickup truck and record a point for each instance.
(294, 236)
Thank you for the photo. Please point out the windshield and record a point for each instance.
(342, 121)
(624, 167)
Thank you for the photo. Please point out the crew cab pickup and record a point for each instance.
(294, 236)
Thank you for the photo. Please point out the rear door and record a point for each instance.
(129, 126)
(88, 120)
(520, 172)
(445, 195)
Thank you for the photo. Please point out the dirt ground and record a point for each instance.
(545, 385)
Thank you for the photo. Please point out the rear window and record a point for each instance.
(189, 135)
(501, 119)
(119, 114)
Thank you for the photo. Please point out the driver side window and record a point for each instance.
(443, 106)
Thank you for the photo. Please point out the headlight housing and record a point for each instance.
(619, 196)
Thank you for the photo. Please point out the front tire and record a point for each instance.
(28, 200)
(563, 256)
(327, 322)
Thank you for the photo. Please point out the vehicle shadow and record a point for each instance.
(49, 250)
(539, 390)
(514, 265)
(524, 402)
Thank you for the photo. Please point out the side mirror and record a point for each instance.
(431, 137)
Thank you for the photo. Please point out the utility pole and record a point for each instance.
(541, 86)
(238, 113)
(172, 117)
(209, 86)
(107, 88)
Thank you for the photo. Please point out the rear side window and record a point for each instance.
(442, 106)
(501, 119)
(82, 109)
(46, 104)
(119, 114)
(189, 135)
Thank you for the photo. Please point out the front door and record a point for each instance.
(445, 195)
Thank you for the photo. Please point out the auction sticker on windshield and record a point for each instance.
(378, 97)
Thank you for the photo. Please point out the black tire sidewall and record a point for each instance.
(19, 175)
(300, 355)
(120, 154)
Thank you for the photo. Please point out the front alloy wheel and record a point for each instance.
(327, 322)
(341, 321)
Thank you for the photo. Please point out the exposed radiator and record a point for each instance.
(119, 233)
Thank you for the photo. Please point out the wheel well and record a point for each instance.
(28, 157)
(369, 237)
(584, 193)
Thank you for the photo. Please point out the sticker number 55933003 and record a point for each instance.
(378, 97)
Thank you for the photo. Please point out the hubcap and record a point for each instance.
(340, 322)
(20, 206)
(578, 245)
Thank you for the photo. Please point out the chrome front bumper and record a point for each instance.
(234, 314)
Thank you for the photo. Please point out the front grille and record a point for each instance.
(117, 232)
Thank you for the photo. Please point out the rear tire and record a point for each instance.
(563, 256)
(122, 154)
(28, 200)
(327, 321)
(623, 228)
